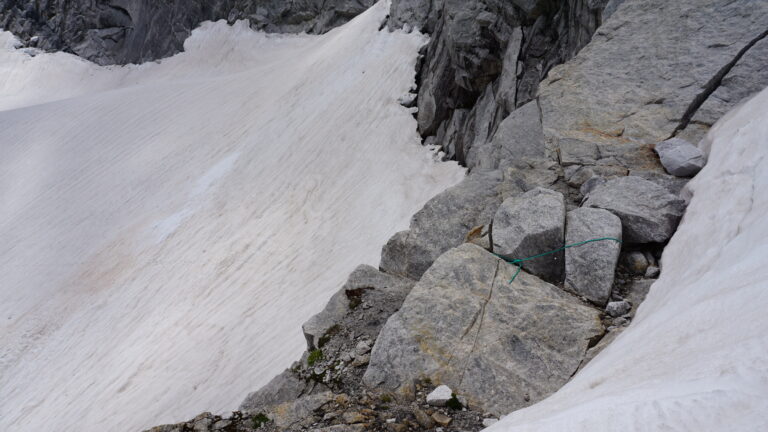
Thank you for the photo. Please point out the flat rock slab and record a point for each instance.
(648, 212)
(589, 269)
(680, 158)
(531, 224)
(502, 346)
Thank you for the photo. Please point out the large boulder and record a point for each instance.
(589, 269)
(648, 212)
(531, 224)
(443, 223)
(364, 280)
(680, 158)
(502, 346)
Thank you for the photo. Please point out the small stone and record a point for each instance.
(221, 424)
(440, 396)
(620, 322)
(361, 360)
(576, 175)
(618, 308)
(441, 419)
(635, 263)
(652, 272)
(363, 347)
(391, 420)
(490, 422)
(423, 419)
(680, 158)
(573, 152)
(396, 427)
(352, 417)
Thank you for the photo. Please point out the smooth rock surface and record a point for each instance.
(648, 212)
(531, 224)
(680, 158)
(647, 66)
(442, 224)
(589, 269)
(464, 325)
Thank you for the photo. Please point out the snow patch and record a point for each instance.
(166, 228)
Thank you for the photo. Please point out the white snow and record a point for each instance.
(696, 356)
(166, 228)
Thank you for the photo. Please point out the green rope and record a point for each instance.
(519, 261)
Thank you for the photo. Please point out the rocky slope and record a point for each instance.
(136, 31)
(563, 113)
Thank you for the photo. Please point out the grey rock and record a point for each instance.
(637, 291)
(589, 269)
(590, 185)
(531, 224)
(618, 308)
(387, 291)
(464, 325)
(520, 135)
(577, 152)
(291, 413)
(671, 183)
(283, 388)
(440, 396)
(680, 158)
(488, 422)
(423, 419)
(652, 272)
(443, 223)
(646, 68)
(135, 31)
(635, 262)
(648, 212)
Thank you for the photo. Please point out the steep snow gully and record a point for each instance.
(694, 357)
(165, 229)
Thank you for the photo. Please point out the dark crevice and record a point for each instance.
(713, 85)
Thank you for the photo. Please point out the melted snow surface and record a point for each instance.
(696, 356)
(166, 228)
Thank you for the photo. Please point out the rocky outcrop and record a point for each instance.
(503, 346)
(386, 291)
(486, 58)
(135, 31)
(647, 211)
(653, 64)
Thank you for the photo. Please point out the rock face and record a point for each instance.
(385, 287)
(589, 269)
(648, 212)
(680, 158)
(531, 224)
(502, 346)
(622, 88)
(442, 224)
(135, 31)
(486, 58)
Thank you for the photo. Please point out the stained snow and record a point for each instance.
(166, 228)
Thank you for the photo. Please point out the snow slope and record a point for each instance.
(696, 356)
(165, 229)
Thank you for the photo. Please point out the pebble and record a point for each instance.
(618, 308)
(490, 422)
(441, 419)
(440, 396)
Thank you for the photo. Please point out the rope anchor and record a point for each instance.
(519, 261)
